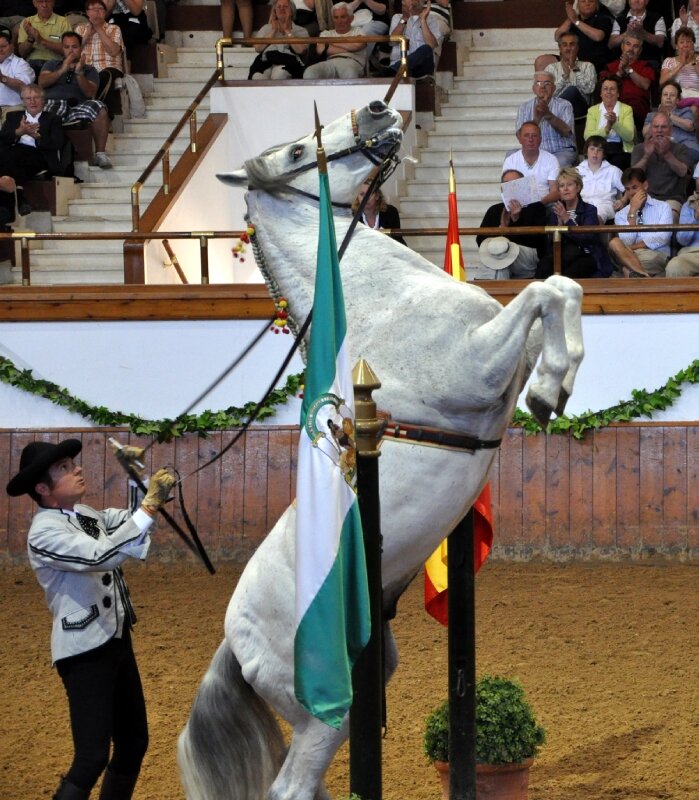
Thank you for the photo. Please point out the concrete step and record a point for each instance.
(61, 276)
(158, 103)
(510, 39)
(180, 87)
(464, 191)
(164, 116)
(508, 87)
(469, 113)
(108, 193)
(438, 156)
(487, 127)
(505, 58)
(73, 223)
(118, 209)
(509, 100)
(464, 174)
(202, 56)
(191, 73)
(95, 260)
(148, 127)
(443, 138)
(490, 72)
(433, 212)
(88, 248)
(149, 143)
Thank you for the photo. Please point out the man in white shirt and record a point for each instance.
(15, 73)
(641, 254)
(532, 160)
(342, 60)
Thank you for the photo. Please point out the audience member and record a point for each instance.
(30, 143)
(423, 31)
(341, 60)
(592, 28)
(102, 46)
(520, 257)
(378, 214)
(15, 73)
(686, 262)
(684, 120)
(602, 184)
(532, 160)
(613, 121)
(613, 7)
(39, 37)
(648, 25)
(665, 163)
(636, 77)
(306, 16)
(554, 116)
(130, 17)
(682, 67)
(641, 254)
(584, 255)
(70, 87)
(279, 61)
(575, 80)
(13, 14)
(687, 17)
(441, 11)
(377, 25)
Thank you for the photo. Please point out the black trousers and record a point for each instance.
(107, 707)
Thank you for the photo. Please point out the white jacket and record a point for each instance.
(80, 575)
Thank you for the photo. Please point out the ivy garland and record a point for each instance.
(642, 404)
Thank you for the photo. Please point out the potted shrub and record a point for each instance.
(507, 739)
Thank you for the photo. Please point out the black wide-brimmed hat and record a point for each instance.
(36, 458)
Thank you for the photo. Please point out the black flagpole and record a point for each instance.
(462, 661)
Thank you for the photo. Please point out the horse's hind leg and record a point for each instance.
(572, 292)
(313, 745)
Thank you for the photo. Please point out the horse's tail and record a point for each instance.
(231, 747)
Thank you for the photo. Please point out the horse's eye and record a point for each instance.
(297, 152)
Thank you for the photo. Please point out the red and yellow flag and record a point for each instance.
(436, 583)
(453, 257)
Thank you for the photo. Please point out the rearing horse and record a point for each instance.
(448, 356)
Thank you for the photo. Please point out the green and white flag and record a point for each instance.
(332, 599)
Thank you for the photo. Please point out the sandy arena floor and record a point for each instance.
(607, 653)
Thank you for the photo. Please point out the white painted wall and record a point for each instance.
(157, 368)
(258, 118)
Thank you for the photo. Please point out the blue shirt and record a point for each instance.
(654, 212)
(551, 139)
(688, 238)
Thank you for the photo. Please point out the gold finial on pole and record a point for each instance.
(367, 426)
(322, 162)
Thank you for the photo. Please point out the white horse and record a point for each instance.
(447, 356)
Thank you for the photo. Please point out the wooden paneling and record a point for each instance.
(624, 490)
(251, 301)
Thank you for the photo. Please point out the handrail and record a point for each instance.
(24, 237)
(190, 115)
(174, 261)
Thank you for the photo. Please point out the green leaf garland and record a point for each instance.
(642, 404)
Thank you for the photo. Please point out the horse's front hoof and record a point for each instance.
(562, 400)
(540, 409)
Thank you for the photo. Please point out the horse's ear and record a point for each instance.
(237, 178)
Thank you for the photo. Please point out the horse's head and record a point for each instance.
(353, 145)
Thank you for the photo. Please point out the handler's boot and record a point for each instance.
(68, 791)
(117, 787)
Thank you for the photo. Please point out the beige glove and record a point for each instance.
(158, 491)
(129, 457)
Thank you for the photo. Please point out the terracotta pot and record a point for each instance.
(493, 781)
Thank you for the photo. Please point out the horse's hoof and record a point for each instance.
(562, 400)
(540, 410)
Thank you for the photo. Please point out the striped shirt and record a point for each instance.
(551, 140)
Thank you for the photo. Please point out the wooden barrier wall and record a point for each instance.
(627, 490)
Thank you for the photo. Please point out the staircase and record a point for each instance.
(477, 124)
(104, 203)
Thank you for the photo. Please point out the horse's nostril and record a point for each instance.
(377, 107)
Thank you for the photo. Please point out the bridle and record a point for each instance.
(369, 148)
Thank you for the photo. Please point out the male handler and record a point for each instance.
(76, 553)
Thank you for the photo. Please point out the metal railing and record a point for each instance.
(555, 231)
